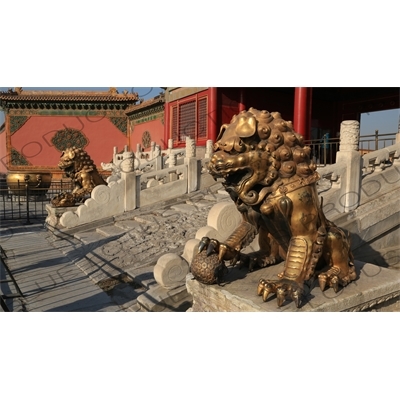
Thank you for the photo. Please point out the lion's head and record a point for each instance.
(257, 152)
(75, 159)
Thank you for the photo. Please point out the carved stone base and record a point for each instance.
(158, 299)
(54, 214)
(375, 286)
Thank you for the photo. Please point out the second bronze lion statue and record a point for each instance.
(77, 165)
(270, 176)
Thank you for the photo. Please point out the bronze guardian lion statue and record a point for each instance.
(77, 165)
(270, 176)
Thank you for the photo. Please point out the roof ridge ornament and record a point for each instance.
(113, 91)
(12, 91)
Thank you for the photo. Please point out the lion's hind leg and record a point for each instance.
(268, 254)
(338, 256)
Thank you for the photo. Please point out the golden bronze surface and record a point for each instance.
(270, 176)
(38, 182)
(78, 166)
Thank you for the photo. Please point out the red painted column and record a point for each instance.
(166, 124)
(242, 105)
(302, 111)
(212, 114)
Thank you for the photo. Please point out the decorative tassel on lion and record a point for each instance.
(268, 172)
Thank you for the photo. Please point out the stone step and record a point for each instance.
(200, 203)
(125, 295)
(127, 225)
(184, 208)
(160, 299)
(89, 237)
(135, 308)
(96, 269)
(143, 276)
(111, 231)
(216, 197)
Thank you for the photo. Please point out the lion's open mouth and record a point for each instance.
(232, 177)
(235, 178)
(66, 167)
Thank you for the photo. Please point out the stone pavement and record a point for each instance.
(47, 279)
(105, 268)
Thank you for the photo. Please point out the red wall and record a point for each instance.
(228, 105)
(33, 139)
(156, 130)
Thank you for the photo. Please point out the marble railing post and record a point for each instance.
(159, 158)
(115, 151)
(132, 181)
(171, 162)
(170, 146)
(132, 190)
(155, 155)
(192, 163)
(138, 153)
(209, 149)
(349, 155)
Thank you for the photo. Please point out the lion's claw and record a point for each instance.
(213, 247)
(204, 242)
(331, 279)
(296, 296)
(223, 250)
(280, 295)
(283, 288)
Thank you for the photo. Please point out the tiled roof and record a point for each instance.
(111, 96)
(145, 104)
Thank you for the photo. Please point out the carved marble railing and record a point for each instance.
(163, 176)
(347, 175)
(381, 159)
(135, 183)
(152, 154)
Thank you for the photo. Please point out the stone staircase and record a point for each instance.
(119, 255)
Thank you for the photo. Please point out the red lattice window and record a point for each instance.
(202, 118)
(189, 119)
(174, 124)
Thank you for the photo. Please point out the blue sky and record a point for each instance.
(384, 121)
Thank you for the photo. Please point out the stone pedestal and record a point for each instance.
(160, 299)
(375, 286)
(55, 213)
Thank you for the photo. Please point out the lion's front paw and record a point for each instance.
(207, 268)
(283, 288)
(63, 199)
(224, 252)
